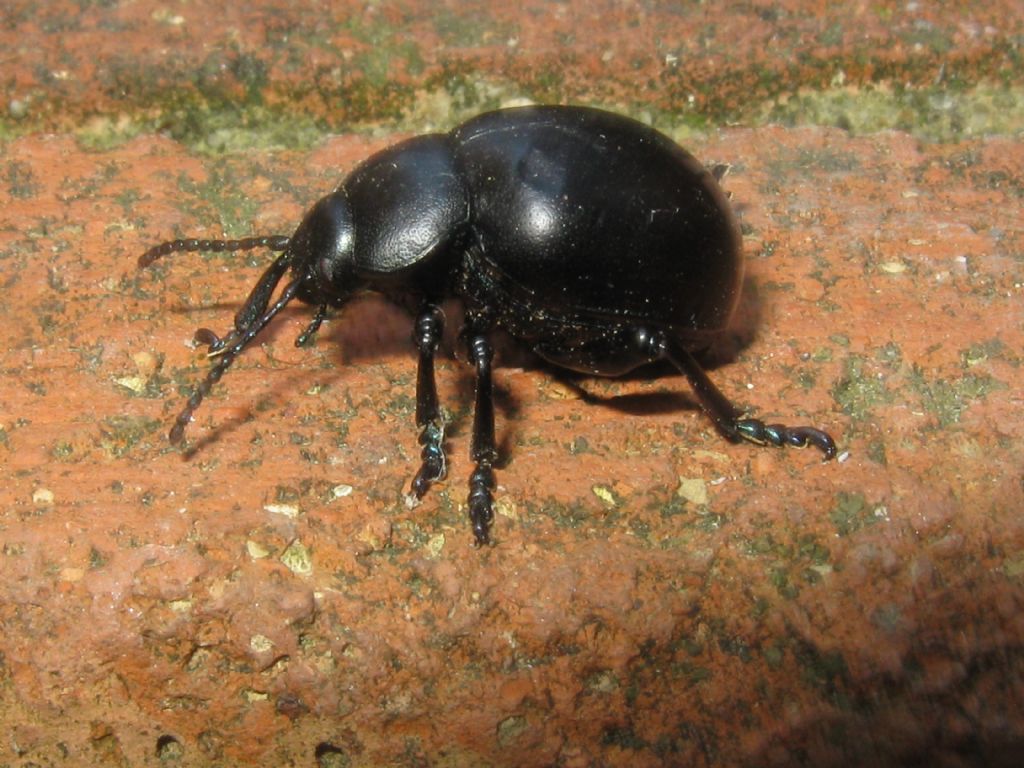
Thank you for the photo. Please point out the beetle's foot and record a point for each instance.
(434, 466)
(430, 472)
(209, 338)
(215, 345)
(314, 325)
(481, 511)
(756, 431)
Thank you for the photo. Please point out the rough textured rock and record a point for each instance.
(655, 595)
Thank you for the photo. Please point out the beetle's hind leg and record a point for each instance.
(727, 417)
(427, 335)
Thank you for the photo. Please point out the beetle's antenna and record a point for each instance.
(256, 318)
(273, 242)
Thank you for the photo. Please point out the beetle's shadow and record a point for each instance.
(370, 328)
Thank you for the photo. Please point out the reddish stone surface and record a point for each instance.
(655, 595)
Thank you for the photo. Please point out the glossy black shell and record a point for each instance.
(590, 217)
(568, 227)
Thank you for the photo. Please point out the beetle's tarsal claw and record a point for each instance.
(434, 465)
(206, 336)
(756, 431)
(481, 530)
(811, 436)
(421, 483)
(482, 537)
(481, 510)
(214, 343)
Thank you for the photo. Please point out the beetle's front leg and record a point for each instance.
(727, 417)
(482, 450)
(250, 312)
(429, 328)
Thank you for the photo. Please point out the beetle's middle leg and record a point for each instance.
(427, 335)
(729, 419)
(482, 449)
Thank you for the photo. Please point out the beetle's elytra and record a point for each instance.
(592, 239)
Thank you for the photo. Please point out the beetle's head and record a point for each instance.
(321, 253)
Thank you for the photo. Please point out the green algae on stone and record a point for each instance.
(120, 434)
(938, 113)
(297, 559)
(851, 513)
(224, 190)
(990, 349)
(858, 392)
(20, 180)
(947, 399)
(510, 729)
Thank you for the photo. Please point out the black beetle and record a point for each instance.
(593, 239)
